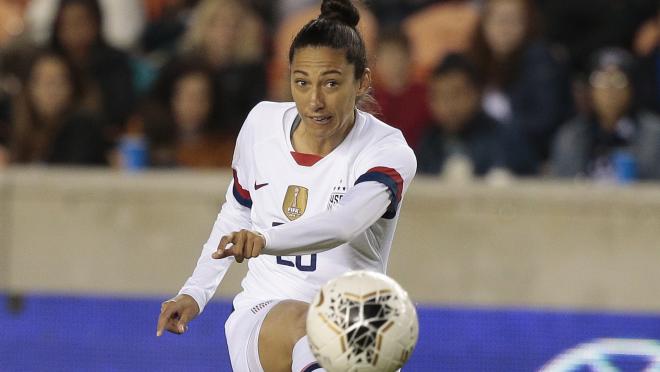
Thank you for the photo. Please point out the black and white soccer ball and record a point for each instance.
(362, 321)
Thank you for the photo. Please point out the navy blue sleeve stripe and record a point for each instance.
(391, 185)
(242, 195)
(311, 367)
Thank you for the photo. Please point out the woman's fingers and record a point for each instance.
(239, 245)
(244, 244)
(222, 251)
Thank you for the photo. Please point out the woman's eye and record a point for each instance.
(331, 84)
(301, 83)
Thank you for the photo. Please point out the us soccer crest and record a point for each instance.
(295, 202)
(336, 195)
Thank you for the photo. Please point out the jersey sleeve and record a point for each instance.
(242, 164)
(376, 194)
(392, 165)
(234, 216)
(208, 273)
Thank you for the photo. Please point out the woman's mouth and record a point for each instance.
(321, 119)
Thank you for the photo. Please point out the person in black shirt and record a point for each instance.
(460, 128)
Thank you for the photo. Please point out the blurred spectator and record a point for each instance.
(5, 112)
(278, 79)
(391, 13)
(229, 36)
(587, 25)
(526, 88)
(157, 9)
(286, 8)
(589, 146)
(439, 29)
(167, 22)
(178, 117)
(122, 24)
(403, 102)
(267, 11)
(650, 75)
(460, 128)
(4, 157)
(47, 125)
(105, 72)
(647, 36)
(12, 53)
(12, 14)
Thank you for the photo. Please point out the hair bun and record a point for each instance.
(341, 11)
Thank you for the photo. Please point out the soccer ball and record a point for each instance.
(362, 321)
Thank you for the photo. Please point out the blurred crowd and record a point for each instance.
(527, 88)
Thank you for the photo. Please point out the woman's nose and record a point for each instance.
(316, 100)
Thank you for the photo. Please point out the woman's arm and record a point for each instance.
(208, 273)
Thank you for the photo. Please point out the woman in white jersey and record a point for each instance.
(316, 193)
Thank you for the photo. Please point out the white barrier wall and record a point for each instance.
(526, 244)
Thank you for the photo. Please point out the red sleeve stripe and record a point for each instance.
(242, 195)
(390, 178)
(394, 175)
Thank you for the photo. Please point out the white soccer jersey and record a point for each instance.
(321, 217)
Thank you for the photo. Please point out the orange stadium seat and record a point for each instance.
(438, 29)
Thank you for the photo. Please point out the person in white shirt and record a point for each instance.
(316, 193)
(122, 25)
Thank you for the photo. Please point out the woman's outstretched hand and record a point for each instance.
(245, 244)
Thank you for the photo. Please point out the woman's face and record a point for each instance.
(325, 90)
(191, 102)
(504, 25)
(611, 92)
(78, 29)
(50, 87)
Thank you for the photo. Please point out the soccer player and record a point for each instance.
(316, 192)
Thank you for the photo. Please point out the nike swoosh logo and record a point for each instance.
(258, 186)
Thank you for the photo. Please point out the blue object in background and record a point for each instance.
(111, 334)
(625, 166)
(133, 152)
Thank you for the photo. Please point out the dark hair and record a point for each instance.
(157, 111)
(614, 56)
(335, 28)
(456, 62)
(94, 9)
(395, 35)
(30, 136)
(172, 73)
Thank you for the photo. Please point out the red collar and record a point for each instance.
(306, 160)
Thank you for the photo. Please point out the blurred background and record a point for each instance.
(529, 239)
